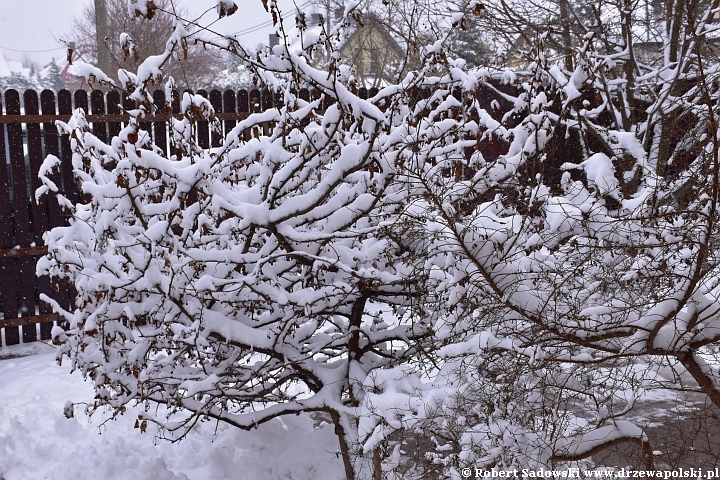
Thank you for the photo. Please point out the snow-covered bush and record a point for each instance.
(503, 269)
(263, 278)
(580, 264)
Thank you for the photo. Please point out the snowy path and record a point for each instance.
(684, 431)
(38, 442)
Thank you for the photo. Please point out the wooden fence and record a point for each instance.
(27, 135)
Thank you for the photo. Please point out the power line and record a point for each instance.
(260, 26)
(267, 23)
(32, 51)
(239, 33)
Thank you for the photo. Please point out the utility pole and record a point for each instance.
(328, 27)
(566, 38)
(328, 23)
(101, 29)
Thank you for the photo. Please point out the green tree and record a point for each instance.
(53, 79)
(472, 44)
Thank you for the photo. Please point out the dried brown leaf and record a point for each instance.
(479, 10)
(225, 11)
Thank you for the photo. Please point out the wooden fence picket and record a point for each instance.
(216, 101)
(40, 221)
(114, 107)
(97, 107)
(55, 219)
(8, 295)
(68, 182)
(22, 269)
(160, 128)
(28, 134)
(203, 128)
(80, 100)
(175, 105)
(229, 107)
(243, 106)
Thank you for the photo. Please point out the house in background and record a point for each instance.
(373, 53)
(54, 76)
(9, 67)
(14, 76)
(62, 74)
(380, 51)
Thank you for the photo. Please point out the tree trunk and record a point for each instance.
(675, 12)
(377, 464)
(344, 447)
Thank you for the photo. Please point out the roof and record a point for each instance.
(8, 67)
(68, 71)
(370, 21)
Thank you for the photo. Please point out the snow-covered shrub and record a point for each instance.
(582, 260)
(502, 277)
(263, 278)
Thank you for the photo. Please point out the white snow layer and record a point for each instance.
(38, 442)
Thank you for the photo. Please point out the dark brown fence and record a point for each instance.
(27, 135)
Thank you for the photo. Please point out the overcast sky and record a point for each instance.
(34, 26)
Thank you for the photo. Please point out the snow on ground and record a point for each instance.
(38, 442)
